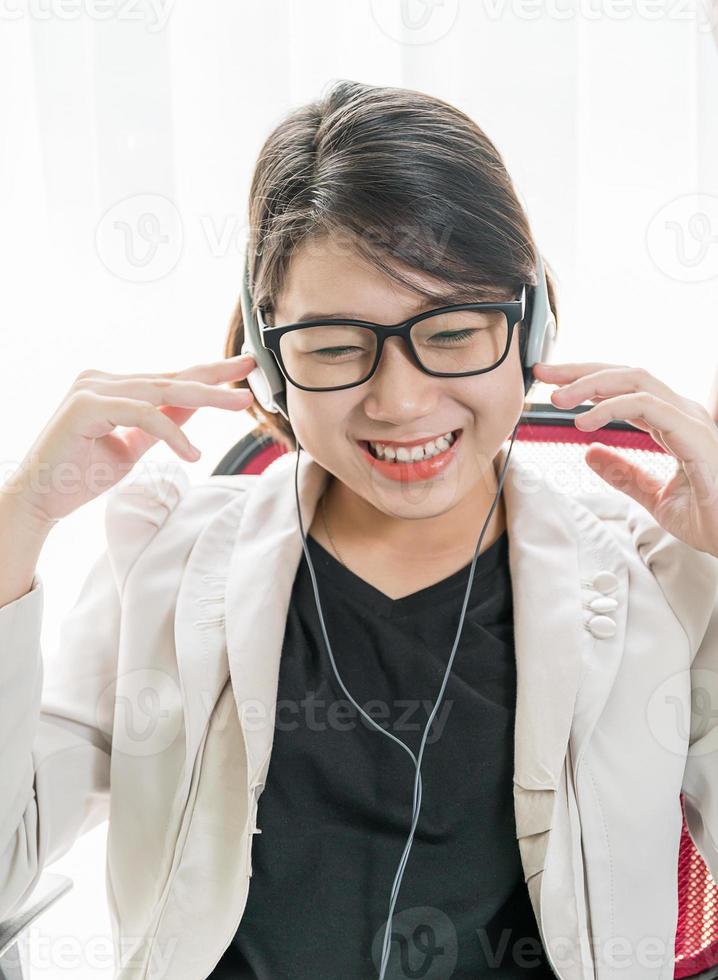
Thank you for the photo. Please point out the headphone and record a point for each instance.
(268, 386)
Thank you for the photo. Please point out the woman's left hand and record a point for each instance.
(687, 505)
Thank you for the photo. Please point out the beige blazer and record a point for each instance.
(156, 711)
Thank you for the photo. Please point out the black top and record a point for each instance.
(335, 812)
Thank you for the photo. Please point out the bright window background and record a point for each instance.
(606, 115)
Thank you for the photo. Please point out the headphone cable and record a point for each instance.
(386, 945)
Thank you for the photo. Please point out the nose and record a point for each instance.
(399, 390)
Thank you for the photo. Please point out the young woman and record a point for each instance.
(196, 673)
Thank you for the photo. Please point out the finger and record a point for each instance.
(170, 391)
(655, 435)
(683, 435)
(619, 381)
(621, 473)
(229, 369)
(653, 432)
(638, 424)
(138, 441)
(99, 415)
(226, 369)
(570, 371)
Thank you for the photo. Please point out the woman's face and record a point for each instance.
(399, 403)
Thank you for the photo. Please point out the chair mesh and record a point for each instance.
(549, 440)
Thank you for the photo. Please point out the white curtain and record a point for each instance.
(129, 131)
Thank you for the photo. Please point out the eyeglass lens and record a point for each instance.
(337, 353)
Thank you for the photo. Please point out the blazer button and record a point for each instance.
(603, 604)
(605, 582)
(602, 626)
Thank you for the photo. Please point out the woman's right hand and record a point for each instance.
(79, 456)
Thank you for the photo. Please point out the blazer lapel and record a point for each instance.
(545, 577)
(266, 555)
(199, 629)
(570, 590)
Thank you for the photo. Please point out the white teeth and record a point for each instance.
(404, 454)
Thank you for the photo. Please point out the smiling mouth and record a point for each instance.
(411, 454)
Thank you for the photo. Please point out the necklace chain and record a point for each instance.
(329, 533)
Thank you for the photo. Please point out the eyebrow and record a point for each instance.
(440, 301)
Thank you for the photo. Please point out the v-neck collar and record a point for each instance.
(332, 574)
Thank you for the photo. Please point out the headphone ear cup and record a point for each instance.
(549, 339)
(541, 334)
(258, 383)
(265, 380)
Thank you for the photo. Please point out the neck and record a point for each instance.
(356, 524)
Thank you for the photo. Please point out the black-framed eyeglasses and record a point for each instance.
(455, 341)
